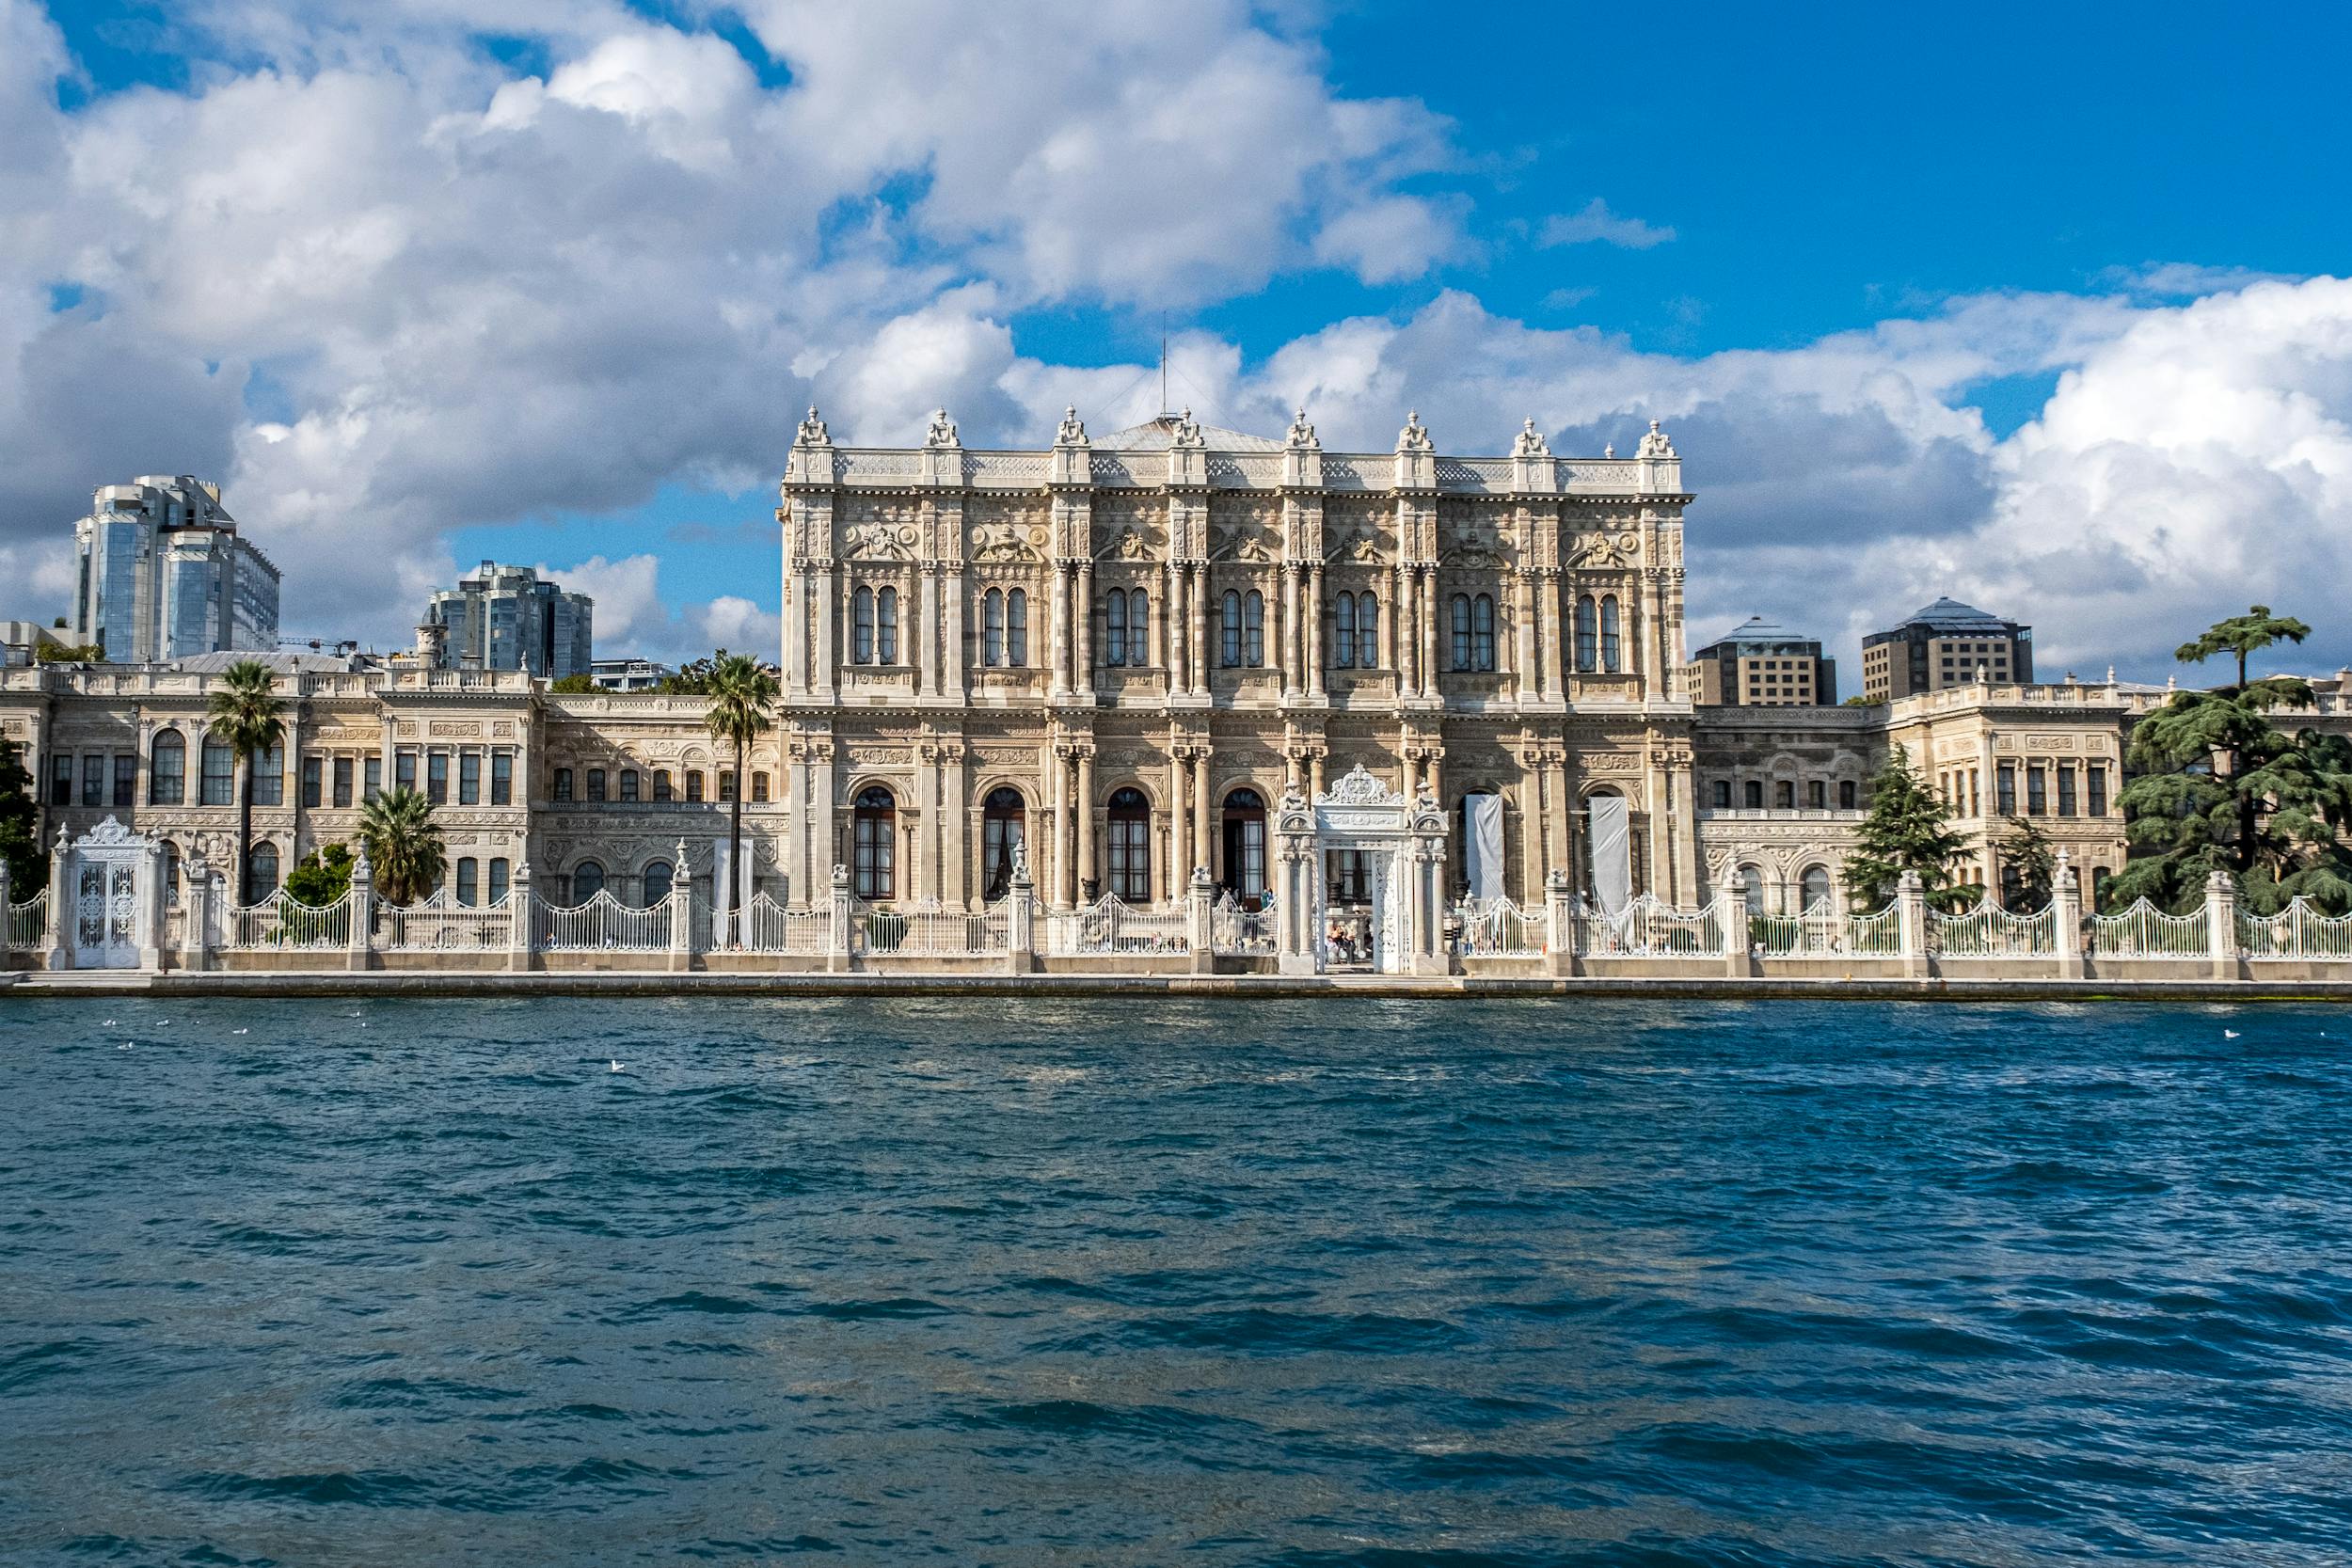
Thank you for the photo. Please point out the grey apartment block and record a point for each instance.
(164, 575)
(509, 618)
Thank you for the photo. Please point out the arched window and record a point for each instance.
(1130, 823)
(1115, 628)
(1815, 889)
(1609, 634)
(1138, 627)
(862, 626)
(1585, 635)
(1367, 631)
(1245, 844)
(659, 879)
(1343, 631)
(874, 830)
(263, 870)
(1017, 628)
(1483, 632)
(992, 629)
(1752, 879)
(1004, 823)
(1461, 631)
(1253, 630)
(886, 625)
(167, 778)
(1228, 629)
(587, 881)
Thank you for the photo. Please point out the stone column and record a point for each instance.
(1911, 924)
(197, 920)
(362, 896)
(1082, 680)
(522, 916)
(955, 886)
(830, 595)
(1286, 656)
(838, 933)
(1058, 681)
(1314, 631)
(1085, 820)
(1179, 824)
(2066, 900)
(1199, 660)
(1523, 679)
(927, 628)
(2221, 925)
(954, 591)
(1731, 920)
(922, 879)
(1172, 625)
(1315, 773)
(1554, 656)
(1428, 608)
(1203, 825)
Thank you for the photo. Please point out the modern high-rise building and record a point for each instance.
(164, 575)
(1948, 644)
(1759, 664)
(507, 618)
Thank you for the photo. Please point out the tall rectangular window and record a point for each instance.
(468, 870)
(2037, 790)
(373, 779)
(342, 781)
(217, 783)
(1816, 793)
(502, 778)
(126, 779)
(498, 879)
(469, 779)
(437, 778)
(404, 771)
(693, 783)
(167, 774)
(2066, 788)
(1845, 795)
(269, 777)
(2005, 790)
(595, 784)
(314, 778)
(61, 779)
(2095, 777)
(562, 788)
(759, 787)
(628, 783)
(660, 784)
(94, 780)
(726, 783)
(1784, 795)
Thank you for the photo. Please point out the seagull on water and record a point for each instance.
(615, 1067)
(240, 1031)
(2229, 1033)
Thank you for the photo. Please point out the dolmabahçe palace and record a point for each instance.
(1177, 697)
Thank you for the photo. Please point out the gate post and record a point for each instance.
(1200, 923)
(2066, 900)
(837, 948)
(1559, 925)
(1911, 924)
(1731, 919)
(1020, 917)
(518, 929)
(362, 896)
(60, 890)
(1298, 893)
(2221, 925)
(682, 912)
(194, 953)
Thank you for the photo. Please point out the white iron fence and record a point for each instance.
(768, 927)
(1498, 929)
(1649, 927)
(441, 924)
(928, 931)
(2145, 931)
(1110, 924)
(2297, 931)
(282, 920)
(602, 923)
(1237, 930)
(1817, 932)
(1990, 931)
(28, 922)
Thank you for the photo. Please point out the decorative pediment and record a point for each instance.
(1131, 546)
(1000, 543)
(876, 539)
(1364, 547)
(1250, 548)
(1359, 788)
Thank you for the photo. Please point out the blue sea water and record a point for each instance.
(1060, 1282)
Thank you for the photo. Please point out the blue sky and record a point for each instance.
(2029, 304)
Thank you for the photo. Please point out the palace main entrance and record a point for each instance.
(1393, 851)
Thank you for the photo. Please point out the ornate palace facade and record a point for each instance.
(1116, 657)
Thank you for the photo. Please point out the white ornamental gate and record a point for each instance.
(110, 877)
(1403, 844)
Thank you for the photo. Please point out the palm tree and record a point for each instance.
(740, 694)
(247, 716)
(404, 845)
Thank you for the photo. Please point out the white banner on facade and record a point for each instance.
(721, 881)
(1613, 852)
(1481, 845)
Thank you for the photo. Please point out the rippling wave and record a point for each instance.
(1332, 1283)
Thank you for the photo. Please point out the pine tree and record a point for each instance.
(2028, 867)
(2220, 788)
(1907, 830)
(20, 837)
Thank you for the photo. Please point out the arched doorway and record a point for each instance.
(873, 845)
(1244, 846)
(1004, 827)
(1129, 821)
